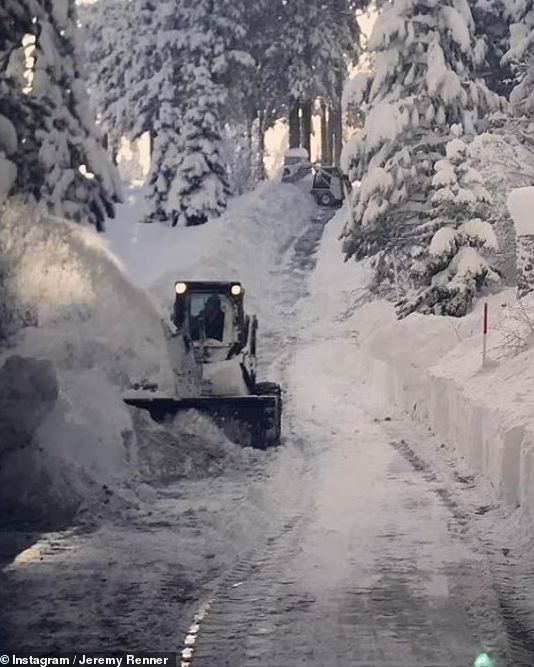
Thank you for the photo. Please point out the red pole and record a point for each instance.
(485, 335)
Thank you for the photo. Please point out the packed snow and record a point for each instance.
(521, 207)
(244, 244)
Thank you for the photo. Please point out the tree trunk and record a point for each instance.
(336, 133)
(294, 125)
(330, 134)
(325, 157)
(261, 145)
(305, 138)
(337, 122)
(152, 134)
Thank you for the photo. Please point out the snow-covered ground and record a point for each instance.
(364, 540)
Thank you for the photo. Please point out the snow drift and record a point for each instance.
(67, 300)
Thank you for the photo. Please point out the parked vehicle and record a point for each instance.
(328, 185)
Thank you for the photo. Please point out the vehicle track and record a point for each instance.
(212, 642)
(329, 584)
(499, 579)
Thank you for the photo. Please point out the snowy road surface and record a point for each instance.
(340, 548)
(369, 565)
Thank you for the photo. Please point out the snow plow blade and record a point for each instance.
(251, 421)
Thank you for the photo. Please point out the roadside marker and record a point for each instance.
(485, 336)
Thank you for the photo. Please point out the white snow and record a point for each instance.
(456, 149)
(443, 241)
(460, 30)
(377, 180)
(341, 512)
(482, 231)
(521, 207)
(101, 334)
(431, 368)
(445, 175)
(300, 153)
(246, 243)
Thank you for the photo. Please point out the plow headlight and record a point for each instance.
(181, 288)
(236, 290)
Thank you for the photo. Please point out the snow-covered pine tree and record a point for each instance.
(258, 99)
(521, 54)
(58, 154)
(155, 63)
(455, 266)
(213, 33)
(314, 43)
(425, 53)
(16, 111)
(155, 87)
(111, 30)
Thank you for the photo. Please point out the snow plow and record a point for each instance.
(211, 319)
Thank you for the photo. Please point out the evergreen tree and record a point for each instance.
(21, 113)
(54, 143)
(521, 54)
(424, 56)
(314, 42)
(213, 33)
(156, 94)
(453, 268)
(110, 39)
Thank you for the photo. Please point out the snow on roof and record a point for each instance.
(297, 152)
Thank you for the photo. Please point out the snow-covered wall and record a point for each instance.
(431, 368)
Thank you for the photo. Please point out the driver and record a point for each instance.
(214, 318)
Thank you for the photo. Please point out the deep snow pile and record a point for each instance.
(67, 300)
(247, 243)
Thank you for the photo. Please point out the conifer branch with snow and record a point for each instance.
(454, 267)
(425, 54)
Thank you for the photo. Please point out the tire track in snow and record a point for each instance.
(499, 580)
(210, 641)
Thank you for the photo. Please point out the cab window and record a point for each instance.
(210, 317)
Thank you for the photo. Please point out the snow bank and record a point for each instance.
(431, 368)
(248, 243)
(66, 299)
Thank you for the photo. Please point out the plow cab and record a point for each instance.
(210, 317)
